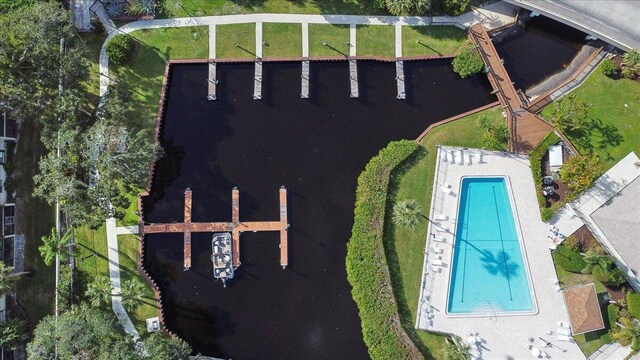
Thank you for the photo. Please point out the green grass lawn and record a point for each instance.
(281, 40)
(616, 111)
(225, 7)
(236, 41)
(93, 261)
(434, 40)
(416, 182)
(336, 37)
(592, 341)
(92, 43)
(143, 75)
(376, 40)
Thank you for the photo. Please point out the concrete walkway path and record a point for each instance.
(493, 15)
(352, 40)
(305, 40)
(398, 41)
(114, 274)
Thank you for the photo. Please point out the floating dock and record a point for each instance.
(400, 79)
(212, 81)
(235, 227)
(304, 90)
(257, 81)
(353, 77)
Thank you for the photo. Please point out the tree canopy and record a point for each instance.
(468, 62)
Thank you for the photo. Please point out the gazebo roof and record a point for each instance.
(584, 309)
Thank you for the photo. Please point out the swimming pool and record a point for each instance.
(488, 275)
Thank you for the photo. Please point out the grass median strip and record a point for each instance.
(375, 40)
(328, 40)
(236, 41)
(281, 40)
(431, 40)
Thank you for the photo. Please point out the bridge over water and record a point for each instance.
(614, 21)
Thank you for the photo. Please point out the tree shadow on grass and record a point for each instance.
(393, 262)
(597, 136)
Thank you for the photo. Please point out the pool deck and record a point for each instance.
(503, 336)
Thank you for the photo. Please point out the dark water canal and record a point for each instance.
(316, 148)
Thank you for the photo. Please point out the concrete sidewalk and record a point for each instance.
(114, 275)
(492, 16)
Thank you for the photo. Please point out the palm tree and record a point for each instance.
(55, 248)
(132, 294)
(595, 260)
(407, 213)
(13, 332)
(629, 333)
(455, 349)
(8, 278)
(99, 291)
(54, 245)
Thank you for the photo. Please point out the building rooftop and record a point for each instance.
(584, 309)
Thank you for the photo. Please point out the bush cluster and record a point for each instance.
(608, 67)
(367, 269)
(633, 304)
(468, 62)
(120, 49)
(568, 259)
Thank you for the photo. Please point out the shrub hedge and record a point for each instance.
(367, 269)
(535, 159)
(568, 259)
(120, 49)
(612, 315)
(468, 62)
(633, 304)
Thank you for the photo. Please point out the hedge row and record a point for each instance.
(535, 159)
(367, 269)
(633, 304)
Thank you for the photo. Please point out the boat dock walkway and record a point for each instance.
(236, 227)
(212, 80)
(353, 77)
(304, 89)
(400, 79)
(526, 129)
(257, 78)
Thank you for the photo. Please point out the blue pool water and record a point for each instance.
(488, 273)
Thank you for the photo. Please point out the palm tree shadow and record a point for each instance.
(499, 263)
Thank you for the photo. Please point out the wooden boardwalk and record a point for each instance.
(236, 227)
(526, 129)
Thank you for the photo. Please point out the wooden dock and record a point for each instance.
(304, 90)
(257, 81)
(212, 81)
(236, 227)
(284, 224)
(400, 79)
(353, 77)
(526, 129)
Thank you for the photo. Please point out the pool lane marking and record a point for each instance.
(506, 269)
(466, 242)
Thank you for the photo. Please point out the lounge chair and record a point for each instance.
(563, 331)
(564, 338)
(443, 155)
(435, 269)
(446, 190)
(441, 228)
(462, 157)
(441, 217)
(437, 250)
(453, 157)
(466, 158)
(437, 262)
(438, 238)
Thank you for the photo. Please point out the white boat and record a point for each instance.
(222, 257)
